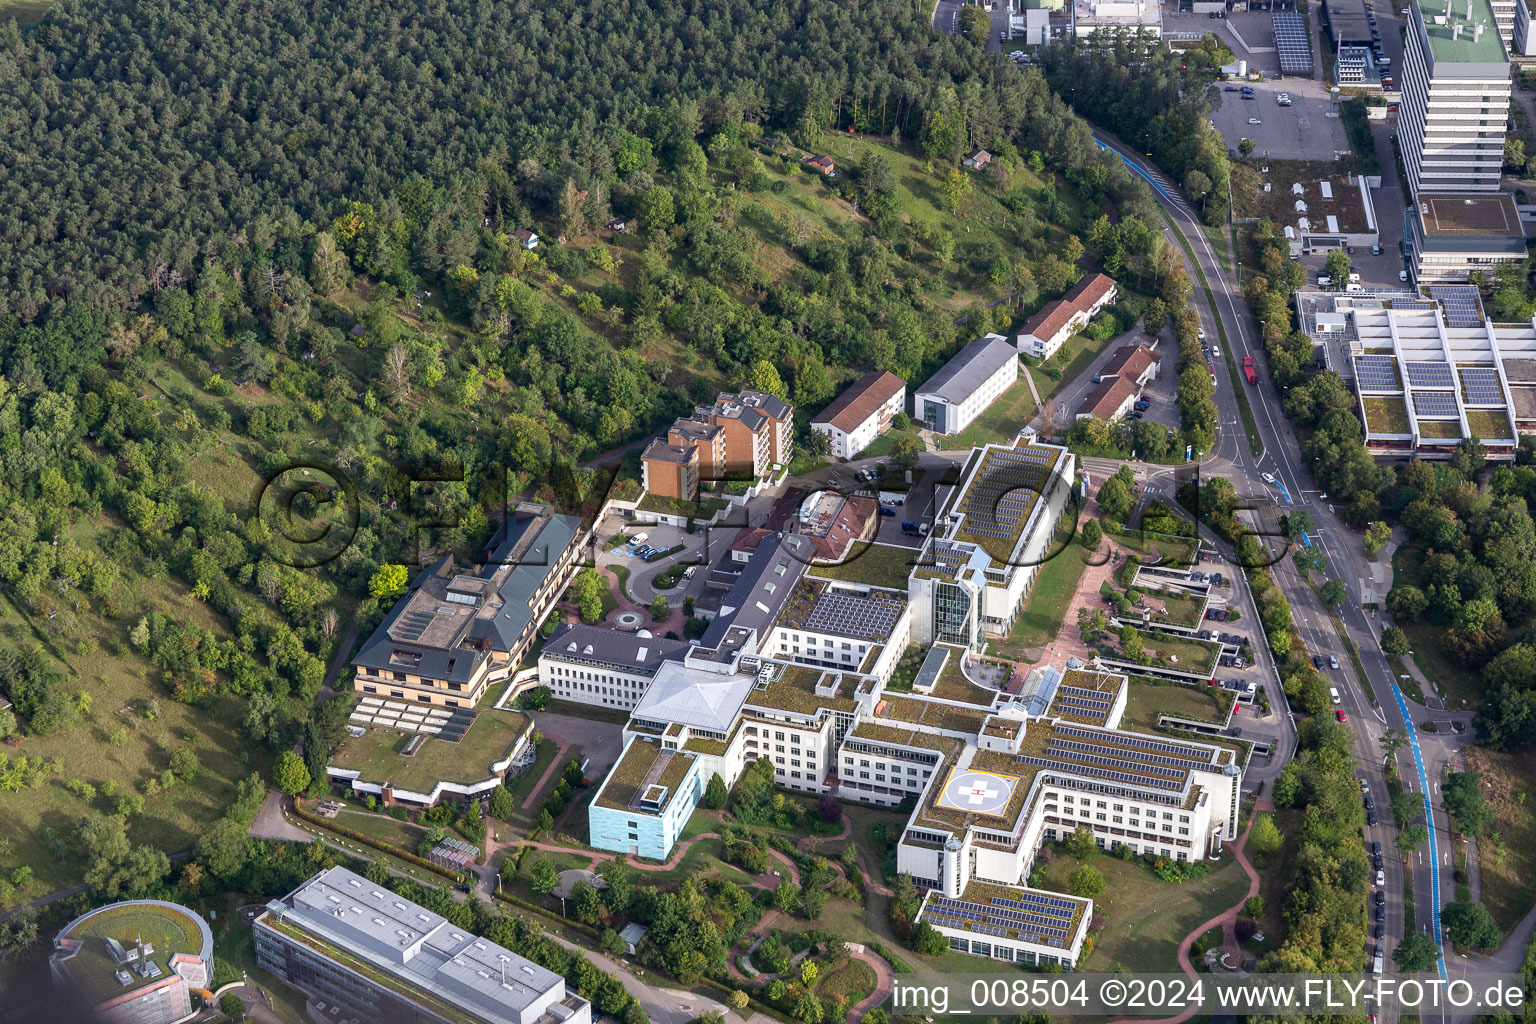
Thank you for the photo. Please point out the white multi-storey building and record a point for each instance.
(593, 665)
(1456, 92)
(973, 379)
(988, 543)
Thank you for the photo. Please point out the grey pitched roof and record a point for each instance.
(766, 582)
(432, 634)
(959, 378)
(640, 654)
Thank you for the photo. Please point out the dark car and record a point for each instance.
(1376, 861)
(1249, 96)
(1381, 912)
(1317, 661)
(887, 510)
(1370, 818)
(1135, 415)
(1380, 932)
(462, 888)
(1216, 579)
(1381, 897)
(1230, 88)
(1369, 805)
(1375, 846)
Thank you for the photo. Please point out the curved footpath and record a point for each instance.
(1227, 919)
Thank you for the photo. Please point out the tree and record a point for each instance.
(611, 943)
(18, 933)
(905, 450)
(764, 376)
(1337, 266)
(975, 25)
(586, 904)
(1462, 794)
(957, 187)
(114, 867)
(587, 590)
(290, 774)
(1412, 837)
(1406, 602)
(1376, 536)
(657, 210)
(7, 723)
(736, 999)
(1395, 642)
(787, 896)
(388, 580)
(542, 877)
(1471, 926)
(502, 804)
(231, 1006)
(396, 372)
(1081, 843)
(928, 940)
(1130, 643)
(1333, 592)
(1092, 534)
(1245, 147)
(715, 793)
(224, 847)
(1086, 881)
(1254, 907)
(327, 265)
(1265, 838)
(1115, 499)
(1416, 952)
(184, 765)
(660, 609)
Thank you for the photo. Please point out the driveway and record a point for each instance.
(643, 573)
(599, 741)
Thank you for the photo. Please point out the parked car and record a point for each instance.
(688, 572)
(1339, 714)
(1317, 661)
(887, 510)
(1376, 846)
(1379, 931)
(1230, 88)
(1381, 897)
(1381, 879)
(1254, 120)
(1136, 415)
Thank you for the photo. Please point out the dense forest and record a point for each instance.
(139, 140)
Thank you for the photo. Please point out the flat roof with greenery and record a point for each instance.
(169, 929)
(1179, 608)
(377, 753)
(1489, 423)
(874, 732)
(952, 685)
(932, 714)
(874, 565)
(1440, 429)
(1386, 415)
(635, 766)
(795, 691)
(1146, 703)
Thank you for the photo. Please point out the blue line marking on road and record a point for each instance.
(1141, 173)
(1284, 493)
(1306, 541)
(1429, 816)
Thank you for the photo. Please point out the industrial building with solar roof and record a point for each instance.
(1429, 368)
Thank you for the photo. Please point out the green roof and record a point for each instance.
(635, 768)
(167, 928)
(1444, 43)
(378, 753)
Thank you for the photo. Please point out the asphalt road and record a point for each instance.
(1369, 703)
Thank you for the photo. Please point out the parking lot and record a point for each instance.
(1305, 130)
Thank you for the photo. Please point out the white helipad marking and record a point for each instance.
(978, 795)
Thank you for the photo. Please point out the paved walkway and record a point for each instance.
(1474, 871)
(339, 661)
(555, 765)
(1227, 919)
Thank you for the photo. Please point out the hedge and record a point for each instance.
(659, 555)
(377, 844)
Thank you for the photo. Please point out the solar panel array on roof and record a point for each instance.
(1091, 704)
(1377, 373)
(1044, 920)
(1430, 374)
(1462, 304)
(1480, 386)
(1005, 489)
(1434, 403)
(1292, 43)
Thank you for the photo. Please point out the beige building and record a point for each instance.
(454, 634)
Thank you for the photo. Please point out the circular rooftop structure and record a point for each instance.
(120, 948)
(628, 620)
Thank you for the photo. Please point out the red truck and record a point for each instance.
(1253, 378)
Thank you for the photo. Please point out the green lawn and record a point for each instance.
(1508, 862)
(1001, 422)
(1146, 701)
(377, 753)
(390, 830)
(24, 11)
(1146, 918)
(884, 445)
(1046, 606)
(878, 565)
(1180, 609)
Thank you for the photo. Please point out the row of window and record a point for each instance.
(1068, 798)
(424, 698)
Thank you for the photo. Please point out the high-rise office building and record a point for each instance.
(1456, 92)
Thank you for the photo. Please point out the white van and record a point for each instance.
(1354, 278)
(1353, 288)
(1323, 280)
(1333, 691)
(639, 539)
